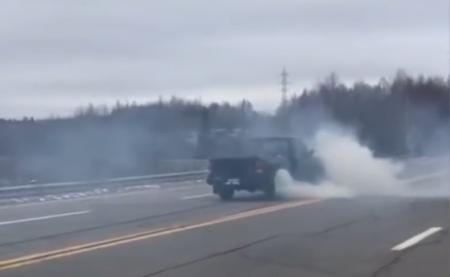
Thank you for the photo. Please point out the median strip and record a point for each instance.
(37, 258)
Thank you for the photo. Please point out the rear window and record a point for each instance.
(271, 147)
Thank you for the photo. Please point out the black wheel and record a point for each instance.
(270, 191)
(226, 194)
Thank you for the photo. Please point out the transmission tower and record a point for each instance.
(284, 86)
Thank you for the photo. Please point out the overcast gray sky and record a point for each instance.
(58, 54)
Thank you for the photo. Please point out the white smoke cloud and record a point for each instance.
(353, 170)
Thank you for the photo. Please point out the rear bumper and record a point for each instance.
(250, 183)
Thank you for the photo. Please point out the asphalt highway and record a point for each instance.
(184, 231)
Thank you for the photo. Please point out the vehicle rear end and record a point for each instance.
(227, 175)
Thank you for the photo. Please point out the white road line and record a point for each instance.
(190, 187)
(197, 196)
(42, 218)
(416, 239)
(152, 186)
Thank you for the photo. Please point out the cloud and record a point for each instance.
(80, 51)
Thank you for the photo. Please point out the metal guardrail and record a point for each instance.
(55, 188)
(116, 183)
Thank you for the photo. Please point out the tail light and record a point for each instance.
(259, 166)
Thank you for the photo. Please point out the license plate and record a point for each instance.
(232, 182)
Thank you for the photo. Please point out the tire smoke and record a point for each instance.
(352, 170)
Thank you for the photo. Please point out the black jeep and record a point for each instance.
(256, 167)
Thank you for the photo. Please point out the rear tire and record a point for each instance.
(270, 191)
(226, 194)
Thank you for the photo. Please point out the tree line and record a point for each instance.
(403, 116)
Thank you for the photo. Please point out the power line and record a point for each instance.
(284, 86)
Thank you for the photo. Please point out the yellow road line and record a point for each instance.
(70, 251)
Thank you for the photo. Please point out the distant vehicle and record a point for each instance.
(255, 169)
